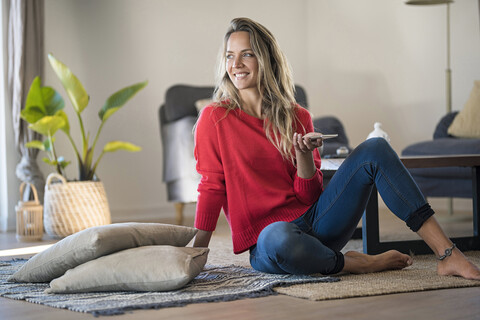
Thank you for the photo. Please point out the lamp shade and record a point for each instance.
(427, 2)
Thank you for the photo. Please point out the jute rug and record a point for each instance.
(215, 283)
(420, 276)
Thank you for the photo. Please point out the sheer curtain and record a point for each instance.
(25, 62)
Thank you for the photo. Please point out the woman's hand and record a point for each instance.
(304, 156)
(202, 238)
(303, 143)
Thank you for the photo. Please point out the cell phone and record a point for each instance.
(323, 136)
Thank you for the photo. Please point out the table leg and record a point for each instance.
(476, 203)
(370, 224)
(371, 227)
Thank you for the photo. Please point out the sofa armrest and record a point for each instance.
(177, 141)
(441, 130)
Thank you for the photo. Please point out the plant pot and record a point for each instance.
(70, 207)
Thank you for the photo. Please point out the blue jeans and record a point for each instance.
(311, 243)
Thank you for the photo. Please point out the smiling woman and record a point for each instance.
(257, 161)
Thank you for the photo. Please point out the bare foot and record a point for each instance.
(356, 262)
(458, 265)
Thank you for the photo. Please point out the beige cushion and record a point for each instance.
(200, 104)
(95, 242)
(467, 122)
(151, 268)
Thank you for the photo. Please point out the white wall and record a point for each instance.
(363, 61)
(374, 60)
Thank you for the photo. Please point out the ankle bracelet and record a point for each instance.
(448, 252)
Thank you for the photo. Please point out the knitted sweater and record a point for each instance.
(244, 173)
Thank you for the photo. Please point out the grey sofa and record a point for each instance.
(452, 182)
(177, 116)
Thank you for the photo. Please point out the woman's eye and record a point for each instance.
(229, 56)
(248, 55)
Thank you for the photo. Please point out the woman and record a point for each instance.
(256, 158)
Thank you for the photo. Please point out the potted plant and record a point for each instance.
(68, 209)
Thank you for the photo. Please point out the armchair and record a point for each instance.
(178, 115)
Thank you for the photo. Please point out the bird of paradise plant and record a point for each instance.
(44, 112)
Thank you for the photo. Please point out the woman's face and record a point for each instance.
(242, 64)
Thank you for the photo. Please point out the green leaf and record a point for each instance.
(36, 144)
(32, 114)
(48, 125)
(118, 99)
(74, 88)
(34, 96)
(61, 161)
(50, 162)
(34, 105)
(53, 101)
(66, 125)
(40, 102)
(120, 145)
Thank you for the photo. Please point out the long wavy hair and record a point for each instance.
(274, 83)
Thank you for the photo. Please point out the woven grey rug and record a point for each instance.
(215, 283)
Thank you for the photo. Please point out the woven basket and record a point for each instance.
(29, 217)
(73, 206)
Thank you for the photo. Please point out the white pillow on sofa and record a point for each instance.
(95, 242)
(467, 122)
(150, 268)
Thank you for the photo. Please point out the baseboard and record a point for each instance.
(166, 212)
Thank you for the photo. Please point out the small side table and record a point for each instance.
(370, 224)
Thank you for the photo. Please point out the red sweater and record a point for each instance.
(246, 175)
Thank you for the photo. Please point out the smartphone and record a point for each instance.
(323, 136)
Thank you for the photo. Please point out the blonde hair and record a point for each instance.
(274, 83)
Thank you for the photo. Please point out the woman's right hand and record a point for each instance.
(303, 143)
(303, 154)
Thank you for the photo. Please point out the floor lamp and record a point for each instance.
(448, 71)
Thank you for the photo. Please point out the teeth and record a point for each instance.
(241, 75)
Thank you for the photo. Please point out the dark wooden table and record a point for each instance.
(370, 224)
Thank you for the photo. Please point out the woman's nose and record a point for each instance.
(237, 62)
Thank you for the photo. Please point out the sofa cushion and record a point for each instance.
(466, 123)
(443, 146)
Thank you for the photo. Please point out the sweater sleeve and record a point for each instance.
(211, 188)
(308, 190)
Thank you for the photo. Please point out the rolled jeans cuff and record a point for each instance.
(417, 218)
(339, 264)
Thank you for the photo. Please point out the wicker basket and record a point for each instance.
(29, 217)
(73, 206)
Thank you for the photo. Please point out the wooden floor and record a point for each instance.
(461, 303)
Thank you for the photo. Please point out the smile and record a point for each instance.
(240, 75)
